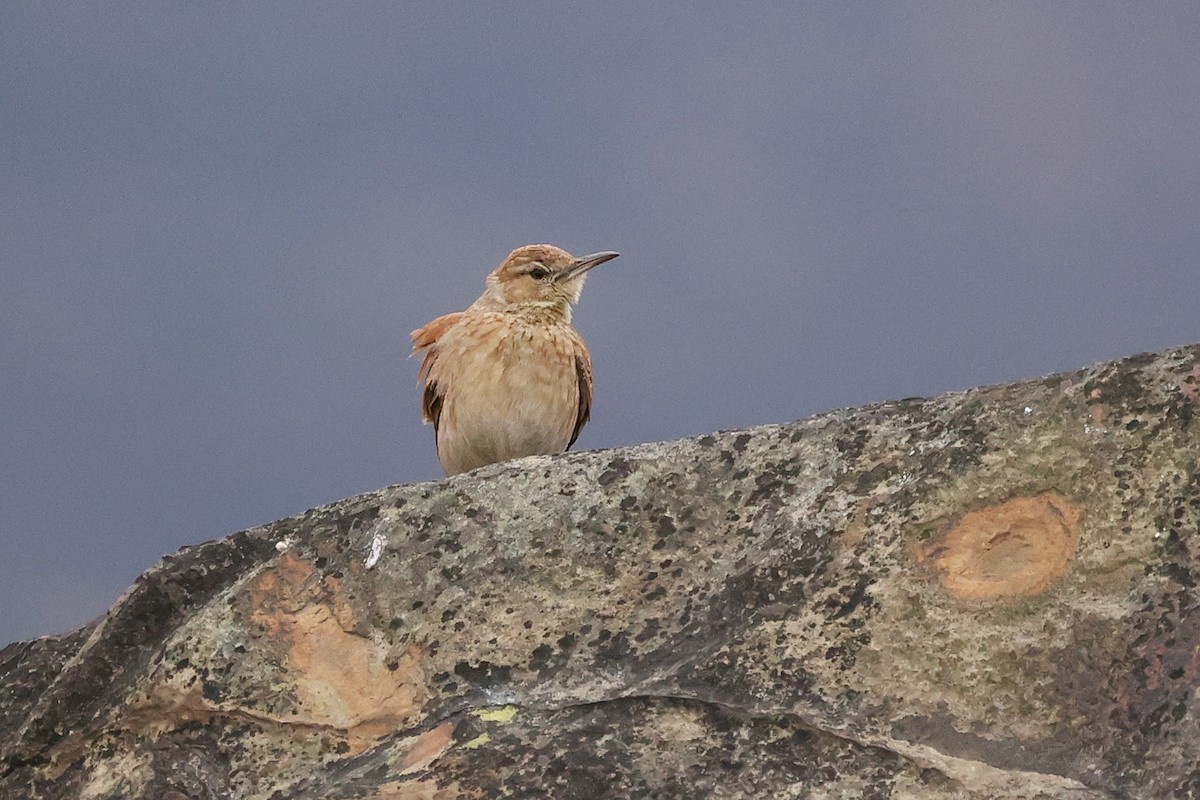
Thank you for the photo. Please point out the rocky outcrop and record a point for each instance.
(987, 594)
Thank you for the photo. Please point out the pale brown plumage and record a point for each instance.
(510, 376)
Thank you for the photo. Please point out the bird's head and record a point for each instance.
(541, 274)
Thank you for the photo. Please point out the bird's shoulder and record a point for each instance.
(428, 334)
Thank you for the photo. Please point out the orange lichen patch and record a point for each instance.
(855, 531)
(421, 790)
(339, 678)
(1013, 549)
(65, 754)
(1190, 385)
(1096, 410)
(427, 747)
(286, 586)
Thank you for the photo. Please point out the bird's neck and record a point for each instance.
(544, 312)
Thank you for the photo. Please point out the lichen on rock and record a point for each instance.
(986, 594)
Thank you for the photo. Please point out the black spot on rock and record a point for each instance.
(484, 674)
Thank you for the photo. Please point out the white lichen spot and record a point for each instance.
(1028, 410)
(378, 542)
(499, 697)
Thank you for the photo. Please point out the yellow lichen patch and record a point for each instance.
(478, 741)
(501, 714)
(1009, 550)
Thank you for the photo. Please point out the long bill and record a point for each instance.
(584, 263)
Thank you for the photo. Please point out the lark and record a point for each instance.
(510, 376)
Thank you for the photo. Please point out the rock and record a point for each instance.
(987, 594)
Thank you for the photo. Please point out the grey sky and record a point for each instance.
(220, 222)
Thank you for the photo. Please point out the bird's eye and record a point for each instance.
(538, 273)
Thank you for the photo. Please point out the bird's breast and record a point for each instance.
(511, 389)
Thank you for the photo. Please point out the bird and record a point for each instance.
(510, 376)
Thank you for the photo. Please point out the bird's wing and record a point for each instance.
(583, 373)
(425, 338)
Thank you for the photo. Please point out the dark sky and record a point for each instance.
(220, 221)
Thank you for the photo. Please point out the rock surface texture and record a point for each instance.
(989, 594)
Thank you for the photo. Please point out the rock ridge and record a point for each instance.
(985, 594)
